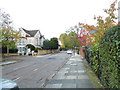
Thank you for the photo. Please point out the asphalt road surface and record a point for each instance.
(34, 71)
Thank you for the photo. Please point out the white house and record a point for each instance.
(33, 37)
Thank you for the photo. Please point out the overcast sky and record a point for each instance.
(53, 17)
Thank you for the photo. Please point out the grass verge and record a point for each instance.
(92, 75)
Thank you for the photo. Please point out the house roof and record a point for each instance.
(30, 32)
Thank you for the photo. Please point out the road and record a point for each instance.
(34, 71)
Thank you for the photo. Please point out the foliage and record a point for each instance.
(46, 45)
(55, 44)
(104, 58)
(82, 36)
(5, 20)
(50, 44)
(110, 57)
(11, 50)
(32, 47)
(94, 58)
(103, 24)
(104, 54)
(63, 39)
(69, 40)
(8, 35)
(36, 49)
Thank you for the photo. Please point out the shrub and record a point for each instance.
(11, 50)
(14, 50)
(110, 58)
(94, 58)
(104, 58)
(30, 46)
(36, 49)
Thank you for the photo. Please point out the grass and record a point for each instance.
(92, 75)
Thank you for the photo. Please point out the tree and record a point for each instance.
(47, 45)
(9, 35)
(73, 40)
(63, 39)
(70, 40)
(104, 24)
(32, 47)
(55, 43)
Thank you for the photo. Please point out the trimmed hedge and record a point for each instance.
(11, 50)
(104, 58)
(36, 49)
(110, 58)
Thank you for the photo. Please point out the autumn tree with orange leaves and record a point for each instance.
(103, 24)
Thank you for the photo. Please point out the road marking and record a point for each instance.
(16, 79)
(38, 56)
(35, 69)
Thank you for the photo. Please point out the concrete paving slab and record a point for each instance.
(6, 63)
(82, 77)
(63, 81)
(53, 86)
(60, 77)
(72, 75)
(69, 85)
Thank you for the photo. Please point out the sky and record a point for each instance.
(53, 17)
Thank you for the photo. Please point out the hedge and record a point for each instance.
(12, 50)
(104, 58)
(110, 58)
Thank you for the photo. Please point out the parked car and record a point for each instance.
(69, 51)
(6, 84)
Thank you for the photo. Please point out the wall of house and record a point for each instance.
(37, 39)
(22, 33)
(42, 40)
(30, 40)
(23, 41)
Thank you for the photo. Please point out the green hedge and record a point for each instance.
(94, 58)
(104, 58)
(11, 50)
(36, 49)
(110, 58)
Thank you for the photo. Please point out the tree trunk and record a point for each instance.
(7, 50)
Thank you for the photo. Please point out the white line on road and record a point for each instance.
(16, 79)
(35, 69)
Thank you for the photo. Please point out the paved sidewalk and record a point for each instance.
(7, 62)
(71, 75)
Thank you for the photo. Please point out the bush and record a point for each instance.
(94, 58)
(4, 49)
(48, 45)
(110, 58)
(30, 46)
(104, 58)
(15, 50)
(36, 49)
(11, 50)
